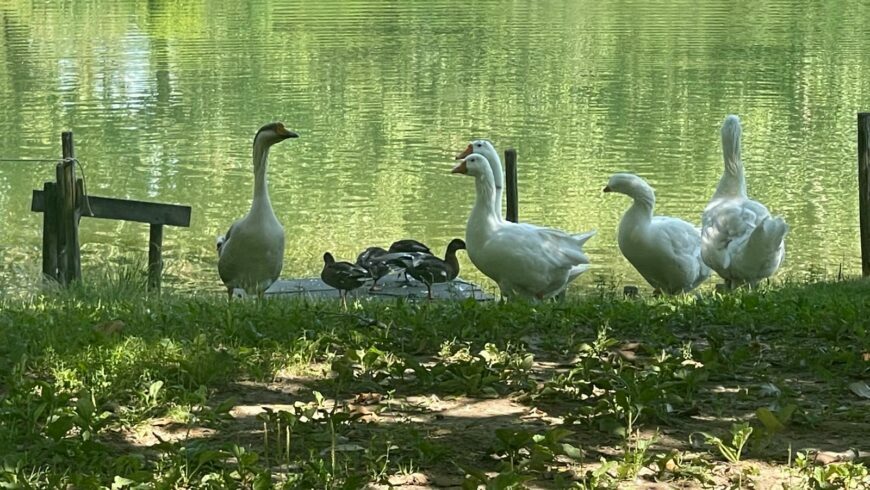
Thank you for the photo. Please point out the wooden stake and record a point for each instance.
(864, 188)
(510, 163)
(49, 232)
(155, 259)
(69, 251)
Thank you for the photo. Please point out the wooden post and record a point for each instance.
(49, 232)
(69, 251)
(510, 163)
(155, 259)
(864, 188)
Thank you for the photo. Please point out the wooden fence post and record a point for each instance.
(69, 251)
(49, 232)
(510, 163)
(155, 259)
(864, 188)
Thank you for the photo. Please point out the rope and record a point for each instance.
(84, 183)
(44, 160)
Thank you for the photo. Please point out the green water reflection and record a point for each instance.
(165, 96)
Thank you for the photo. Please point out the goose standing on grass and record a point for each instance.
(343, 276)
(665, 251)
(525, 261)
(251, 254)
(740, 240)
(486, 148)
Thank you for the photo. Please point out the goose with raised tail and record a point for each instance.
(666, 251)
(740, 240)
(251, 253)
(525, 261)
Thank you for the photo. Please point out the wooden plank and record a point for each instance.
(864, 188)
(49, 234)
(155, 259)
(510, 163)
(125, 209)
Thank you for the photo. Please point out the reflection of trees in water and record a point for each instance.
(164, 98)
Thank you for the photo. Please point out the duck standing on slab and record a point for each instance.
(740, 240)
(525, 261)
(406, 246)
(368, 260)
(487, 149)
(430, 269)
(343, 276)
(251, 253)
(665, 251)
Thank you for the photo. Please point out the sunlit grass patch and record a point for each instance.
(591, 391)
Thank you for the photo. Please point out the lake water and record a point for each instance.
(164, 98)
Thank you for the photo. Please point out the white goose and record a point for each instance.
(251, 254)
(665, 251)
(740, 240)
(486, 148)
(524, 260)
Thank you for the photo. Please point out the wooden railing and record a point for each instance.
(63, 203)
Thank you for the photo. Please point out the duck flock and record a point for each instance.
(738, 238)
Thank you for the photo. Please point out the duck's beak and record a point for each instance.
(462, 168)
(608, 189)
(468, 151)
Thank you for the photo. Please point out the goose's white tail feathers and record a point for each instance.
(766, 237)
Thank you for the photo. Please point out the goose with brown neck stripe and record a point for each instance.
(251, 253)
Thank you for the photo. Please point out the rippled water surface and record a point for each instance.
(164, 98)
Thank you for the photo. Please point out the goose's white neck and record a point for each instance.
(261, 200)
(640, 213)
(498, 181)
(484, 217)
(733, 181)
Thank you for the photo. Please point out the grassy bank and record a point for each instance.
(126, 390)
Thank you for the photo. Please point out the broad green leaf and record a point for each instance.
(59, 427)
(770, 421)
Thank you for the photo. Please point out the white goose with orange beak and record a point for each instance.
(526, 261)
(487, 149)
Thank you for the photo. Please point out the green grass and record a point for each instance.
(108, 386)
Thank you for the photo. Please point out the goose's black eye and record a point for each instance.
(479, 145)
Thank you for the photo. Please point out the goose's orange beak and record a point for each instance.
(468, 151)
(462, 168)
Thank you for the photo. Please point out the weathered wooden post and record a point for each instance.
(510, 164)
(49, 232)
(69, 251)
(64, 203)
(155, 258)
(864, 188)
